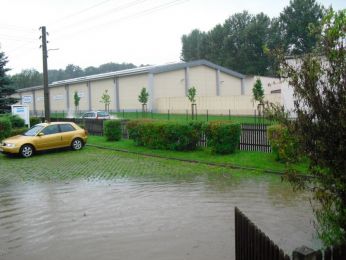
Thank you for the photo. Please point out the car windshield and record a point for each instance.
(34, 130)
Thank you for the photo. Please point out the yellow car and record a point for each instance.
(45, 136)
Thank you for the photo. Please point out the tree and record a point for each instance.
(5, 87)
(295, 21)
(143, 99)
(76, 98)
(193, 46)
(191, 95)
(27, 78)
(258, 94)
(106, 99)
(319, 83)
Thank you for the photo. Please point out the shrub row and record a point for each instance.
(5, 127)
(223, 136)
(112, 130)
(284, 145)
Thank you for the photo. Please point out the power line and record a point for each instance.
(102, 14)
(79, 12)
(138, 14)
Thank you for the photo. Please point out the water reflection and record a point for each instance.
(148, 217)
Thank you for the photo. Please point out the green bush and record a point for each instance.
(223, 136)
(16, 121)
(18, 131)
(34, 121)
(284, 145)
(112, 130)
(5, 127)
(166, 135)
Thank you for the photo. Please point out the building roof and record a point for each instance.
(141, 70)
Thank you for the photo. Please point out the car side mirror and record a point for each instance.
(40, 134)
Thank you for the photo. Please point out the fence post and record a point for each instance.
(136, 113)
(207, 115)
(151, 114)
(168, 114)
(303, 253)
(123, 113)
(187, 115)
(229, 114)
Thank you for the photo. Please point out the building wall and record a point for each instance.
(169, 84)
(57, 99)
(97, 89)
(129, 90)
(229, 85)
(39, 99)
(82, 90)
(203, 79)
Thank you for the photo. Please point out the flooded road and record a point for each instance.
(147, 216)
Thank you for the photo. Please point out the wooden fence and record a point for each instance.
(252, 244)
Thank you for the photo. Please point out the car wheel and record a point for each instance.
(26, 150)
(77, 144)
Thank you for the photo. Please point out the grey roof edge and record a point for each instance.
(182, 65)
(140, 70)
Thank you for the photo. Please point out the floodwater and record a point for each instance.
(148, 217)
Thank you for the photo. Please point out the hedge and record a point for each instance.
(223, 136)
(112, 130)
(284, 145)
(168, 135)
(34, 121)
(5, 127)
(18, 131)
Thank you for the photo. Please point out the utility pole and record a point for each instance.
(45, 74)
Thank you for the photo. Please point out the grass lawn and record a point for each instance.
(259, 160)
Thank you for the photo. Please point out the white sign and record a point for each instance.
(22, 112)
(58, 97)
(27, 99)
(80, 94)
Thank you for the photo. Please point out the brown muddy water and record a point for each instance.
(148, 217)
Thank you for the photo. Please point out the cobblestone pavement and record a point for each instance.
(94, 164)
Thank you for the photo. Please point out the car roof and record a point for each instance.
(55, 123)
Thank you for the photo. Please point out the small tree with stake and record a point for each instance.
(143, 98)
(76, 98)
(258, 94)
(191, 95)
(106, 99)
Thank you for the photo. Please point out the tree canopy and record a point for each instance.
(5, 86)
(242, 41)
(31, 77)
(319, 83)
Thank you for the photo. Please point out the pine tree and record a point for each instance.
(5, 87)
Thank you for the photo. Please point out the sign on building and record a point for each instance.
(22, 112)
(26, 99)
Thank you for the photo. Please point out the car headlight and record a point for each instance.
(10, 145)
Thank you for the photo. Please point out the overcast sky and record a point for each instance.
(93, 32)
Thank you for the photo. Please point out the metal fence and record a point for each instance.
(252, 244)
(254, 138)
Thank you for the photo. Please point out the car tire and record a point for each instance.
(26, 150)
(77, 144)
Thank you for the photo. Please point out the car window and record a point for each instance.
(52, 129)
(102, 114)
(88, 115)
(34, 130)
(66, 128)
